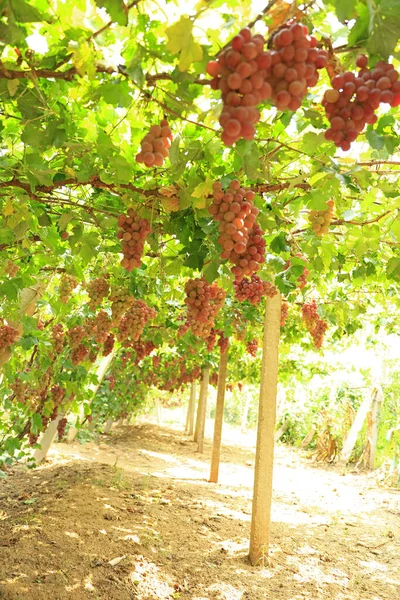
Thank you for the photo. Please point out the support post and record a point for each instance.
(107, 426)
(196, 429)
(262, 497)
(202, 410)
(219, 416)
(101, 371)
(372, 434)
(192, 407)
(47, 440)
(158, 411)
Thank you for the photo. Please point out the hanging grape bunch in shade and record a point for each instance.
(247, 75)
(154, 147)
(133, 231)
(354, 98)
(253, 289)
(321, 219)
(240, 236)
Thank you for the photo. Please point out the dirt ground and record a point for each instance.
(133, 517)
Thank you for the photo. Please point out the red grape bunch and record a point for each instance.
(321, 219)
(284, 313)
(98, 289)
(154, 147)
(101, 326)
(253, 289)
(8, 336)
(134, 321)
(57, 396)
(11, 268)
(223, 342)
(315, 325)
(239, 72)
(20, 390)
(142, 349)
(76, 335)
(252, 347)
(132, 233)
(57, 338)
(214, 379)
(211, 340)
(121, 301)
(353, 100)
(240, 237)
(62, 423)
(293, 66)
(79, 354)
(203, 302)
(67, 284)
(108, 344)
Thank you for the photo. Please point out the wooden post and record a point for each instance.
(219, 416)
(356, 428)
(196, 429)
(202, 410)
(47, 440)
(192, 407)
(372, 434)
(261, 513)
(245, 412)
(107, 426)
(101, 371)
(158, 411)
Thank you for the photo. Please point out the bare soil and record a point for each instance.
(134, 517)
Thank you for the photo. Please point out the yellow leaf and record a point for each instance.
(203, 189)
(182, 42)
(8, 208)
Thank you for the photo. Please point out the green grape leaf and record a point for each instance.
(182, 42)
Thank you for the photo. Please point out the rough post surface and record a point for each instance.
(219, 417)
(261, 513)
(203, 408)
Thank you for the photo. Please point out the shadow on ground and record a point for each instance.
(134, 518)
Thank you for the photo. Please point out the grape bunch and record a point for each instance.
(284, 313)
(321, 219)
(154, 147)
(203, 302)
(214, 379)
(156, 361)
(79, 354)
(353, 100)
(101, 326)
(211, 340)
(253, 289)
(134, 321)
(240, 236)
(121, 301)
(252, 347)
(223, 342)
(111, 381)
(57, 396)
(315, 325)
(8, 336)
(108, 344)
(20, 390)
(294, 60)
(142, 349)
(239, 73)
(11, 268)
(62, 424)
(76, 335)
(67, 284)
(57, 338)
(302, 279)
(132, 233)
(98, 289)
(93, 355)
